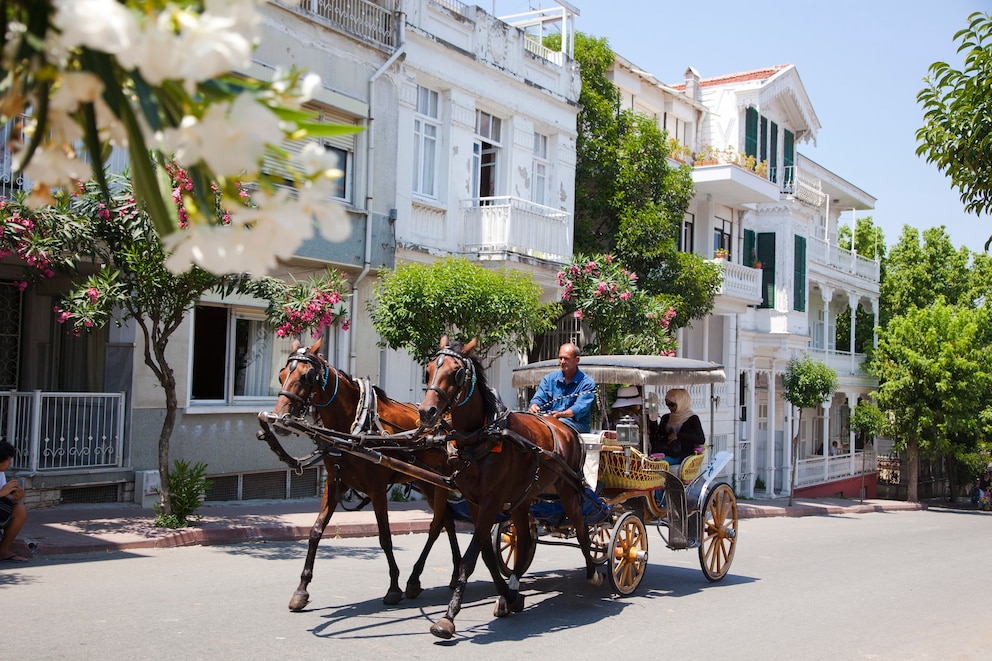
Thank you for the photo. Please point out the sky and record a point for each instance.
(862, 63)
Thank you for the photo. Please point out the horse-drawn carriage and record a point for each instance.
(522, 477)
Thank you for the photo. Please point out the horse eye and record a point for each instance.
(460, 376)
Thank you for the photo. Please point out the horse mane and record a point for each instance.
(490, 404)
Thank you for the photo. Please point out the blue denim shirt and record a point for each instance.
(578, 395)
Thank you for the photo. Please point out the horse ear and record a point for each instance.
(296, 345)
(444, 341)
(316, 345)
(471, 345)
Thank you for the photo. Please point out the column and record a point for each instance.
(874, 312)
(826, 440)
(826, 295)
(853, 301)
(752, 425)
(770, 451)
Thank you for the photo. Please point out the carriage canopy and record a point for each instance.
(629, 370)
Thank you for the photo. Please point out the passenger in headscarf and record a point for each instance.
(679, 432)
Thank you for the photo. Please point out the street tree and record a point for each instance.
(415, 304)
(807, 383)
(957, 117)
(935, 386)
(629, 199)
(116, 260)
(624, 318)
(916, 273)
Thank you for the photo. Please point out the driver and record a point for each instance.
(568, 394)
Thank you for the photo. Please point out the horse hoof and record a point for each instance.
(393, 597)
(518, 604)
(596, 580)
(500, 609)
(413, 590)
(299, 601)
(443, 628)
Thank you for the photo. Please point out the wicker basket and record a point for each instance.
(641, 473)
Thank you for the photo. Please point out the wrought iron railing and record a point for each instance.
(63, 431)
(367, 20)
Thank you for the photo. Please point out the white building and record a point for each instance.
(771, 222)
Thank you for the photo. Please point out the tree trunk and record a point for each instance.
(168, 382)
(795, 454)
(913, 470)
(952, 478)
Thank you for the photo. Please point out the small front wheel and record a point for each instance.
(628, 553)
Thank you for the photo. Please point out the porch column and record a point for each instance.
(827, 295)
(874, 312)
(752, 427)
(853, 301)
(770, 451)
(706, 337)
(826, 440)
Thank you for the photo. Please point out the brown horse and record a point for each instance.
(341, 404)
(502, 462)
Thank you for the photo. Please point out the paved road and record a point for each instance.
(891, 585)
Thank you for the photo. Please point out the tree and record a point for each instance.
(416, 304)
(935, 386)
(118, 267)
(623, 318)
(167, 78)
(916, 274)
(957, 117)
(807, 384)
(629, 201)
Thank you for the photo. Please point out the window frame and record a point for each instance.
(426, 161)
(539, 169)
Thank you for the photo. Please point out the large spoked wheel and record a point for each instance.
(719, 532)
(628, 553)
(505, 544)
(599, 541)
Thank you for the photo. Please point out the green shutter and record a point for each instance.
(766, 254)
(750, 255)
(799, 284)
(788, 159)
(751, 132)
(773, 157)
(763, 140)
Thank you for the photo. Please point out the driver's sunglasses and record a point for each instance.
(669, 404)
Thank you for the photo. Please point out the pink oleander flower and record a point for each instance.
(625, 296)
(93, 293)
(21, 285)
(579, 314)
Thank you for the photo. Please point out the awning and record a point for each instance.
(629, 370)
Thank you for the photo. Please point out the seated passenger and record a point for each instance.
(679, 432)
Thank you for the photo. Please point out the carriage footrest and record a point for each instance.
(549, 512)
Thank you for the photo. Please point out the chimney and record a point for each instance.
(692, 84)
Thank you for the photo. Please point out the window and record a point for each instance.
(236, 355)
(722, 235)
(343, 146)
(799, 281)
(426, 129)
(685, 237)
(539, 169)
(485, 154)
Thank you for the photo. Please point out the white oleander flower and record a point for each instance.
(102, 25)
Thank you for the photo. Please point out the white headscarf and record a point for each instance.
(683, 407)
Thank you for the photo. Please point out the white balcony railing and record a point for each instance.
(53, 431)
(367, 20)
(824, 253)
(842, 362)
(532, 45)
(511, 225)
(740, 281)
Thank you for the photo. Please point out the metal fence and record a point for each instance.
(63, 431)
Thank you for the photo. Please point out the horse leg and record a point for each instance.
(572, 504)
(443, 518)
(379, 504)
(328, 503)
(513, 602)
(445, 627)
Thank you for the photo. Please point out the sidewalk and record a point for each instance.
(116, 527)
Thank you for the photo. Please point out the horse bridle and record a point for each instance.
(310, 379)
(463, 375)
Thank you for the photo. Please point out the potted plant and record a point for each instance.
(705, 156)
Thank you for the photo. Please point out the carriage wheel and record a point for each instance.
(719, 532)
(599, 541)
(628, 553)
(505, 544)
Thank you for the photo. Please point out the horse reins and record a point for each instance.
(316, 364)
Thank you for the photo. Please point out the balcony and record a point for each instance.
(371, 22)
(733, 185)
(739, 288)
(504, 225)
(844, 363)
(824, 254)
